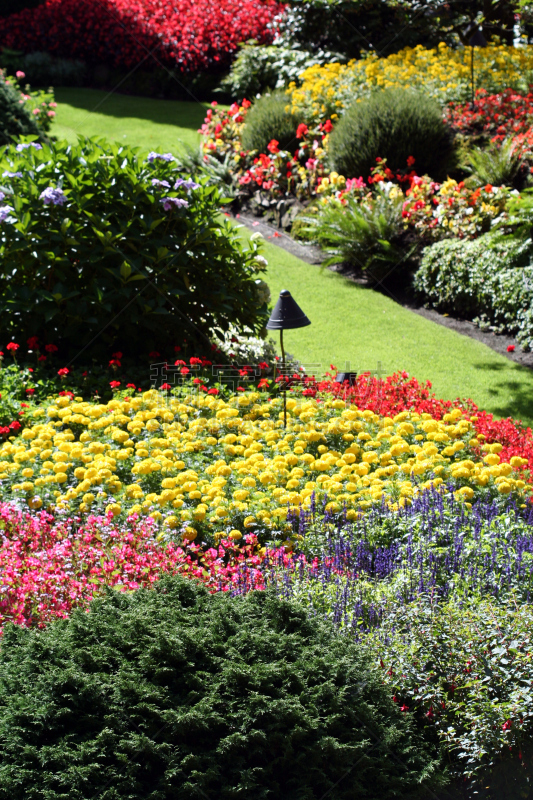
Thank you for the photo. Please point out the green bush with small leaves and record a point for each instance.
(489, 280)
(15, 118)
(176, 693)
(270, 118)
(393, 124)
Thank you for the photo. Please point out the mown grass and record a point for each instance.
(160, 125)
(352, 326)
(360, 329)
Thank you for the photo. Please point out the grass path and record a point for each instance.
(356, 327)
(350, 324)
(160, 125)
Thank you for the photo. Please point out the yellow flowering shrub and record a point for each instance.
(210, 467)
(442, 72)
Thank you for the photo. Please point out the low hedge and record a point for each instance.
(176, 693)
(489, 280)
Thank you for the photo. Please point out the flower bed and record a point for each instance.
(444, 73)
(193, 36)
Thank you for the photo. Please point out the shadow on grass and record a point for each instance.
(182, 113)
(513, 397)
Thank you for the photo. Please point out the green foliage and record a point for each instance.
(489, 279)
(110, 267)
(367, 235)
(259, 68)
(269, 118)
(172, 692)
(42, 69)
(497, 165)
(392, 124)
(15, 118)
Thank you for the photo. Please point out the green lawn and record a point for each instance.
(360, 329)
(351, 325)
(160, 125)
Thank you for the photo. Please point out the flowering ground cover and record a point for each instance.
(194, 36)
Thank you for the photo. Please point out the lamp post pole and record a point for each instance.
(286, 314)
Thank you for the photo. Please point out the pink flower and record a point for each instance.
(20, 75)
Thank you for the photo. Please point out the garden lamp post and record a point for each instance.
(475, 39)
(286, 314)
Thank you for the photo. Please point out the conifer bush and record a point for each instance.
(176, 693)
(270, 118)
(395, 124)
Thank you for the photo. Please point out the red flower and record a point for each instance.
(195, 360)
(41, 358)
(114, 362)
(213, 391)
(117, 355)
(15, 425)
(130, 386)
(507, 725)
(12, 347)
(511, 348)
(301, 131)
(154, 354)
(410, 161)
(50, 348)
(263, 384)
(63, 372)
(272, 146)
(166, 386)
(30, 390)
(114, 384)
(327, 126)
(33, 342)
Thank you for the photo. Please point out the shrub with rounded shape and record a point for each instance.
(269, 119)
(176, 693)
(15, 119)
(392, 124)
(100, 249)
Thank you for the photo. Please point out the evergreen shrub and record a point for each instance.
(270, 118)
(489, 280)
(393, 124)
(176, 693)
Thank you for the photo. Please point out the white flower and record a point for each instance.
(256, 237)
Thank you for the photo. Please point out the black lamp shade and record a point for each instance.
(287, 314)
(477, 39)
(346, 377)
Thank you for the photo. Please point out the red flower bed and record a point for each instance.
(497, 116)
(192, 35)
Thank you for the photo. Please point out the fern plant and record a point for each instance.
(497, 165)
(218, 172)
(368, 234)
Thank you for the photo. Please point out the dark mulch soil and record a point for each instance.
(313, 255)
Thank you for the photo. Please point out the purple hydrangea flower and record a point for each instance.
(53, 197)
(176, 202)
(5, 211)
(156, 182)
(159, 157)
(189, 184)
(24, 146)
(12, 175)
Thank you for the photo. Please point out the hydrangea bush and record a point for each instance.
(89, 231)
